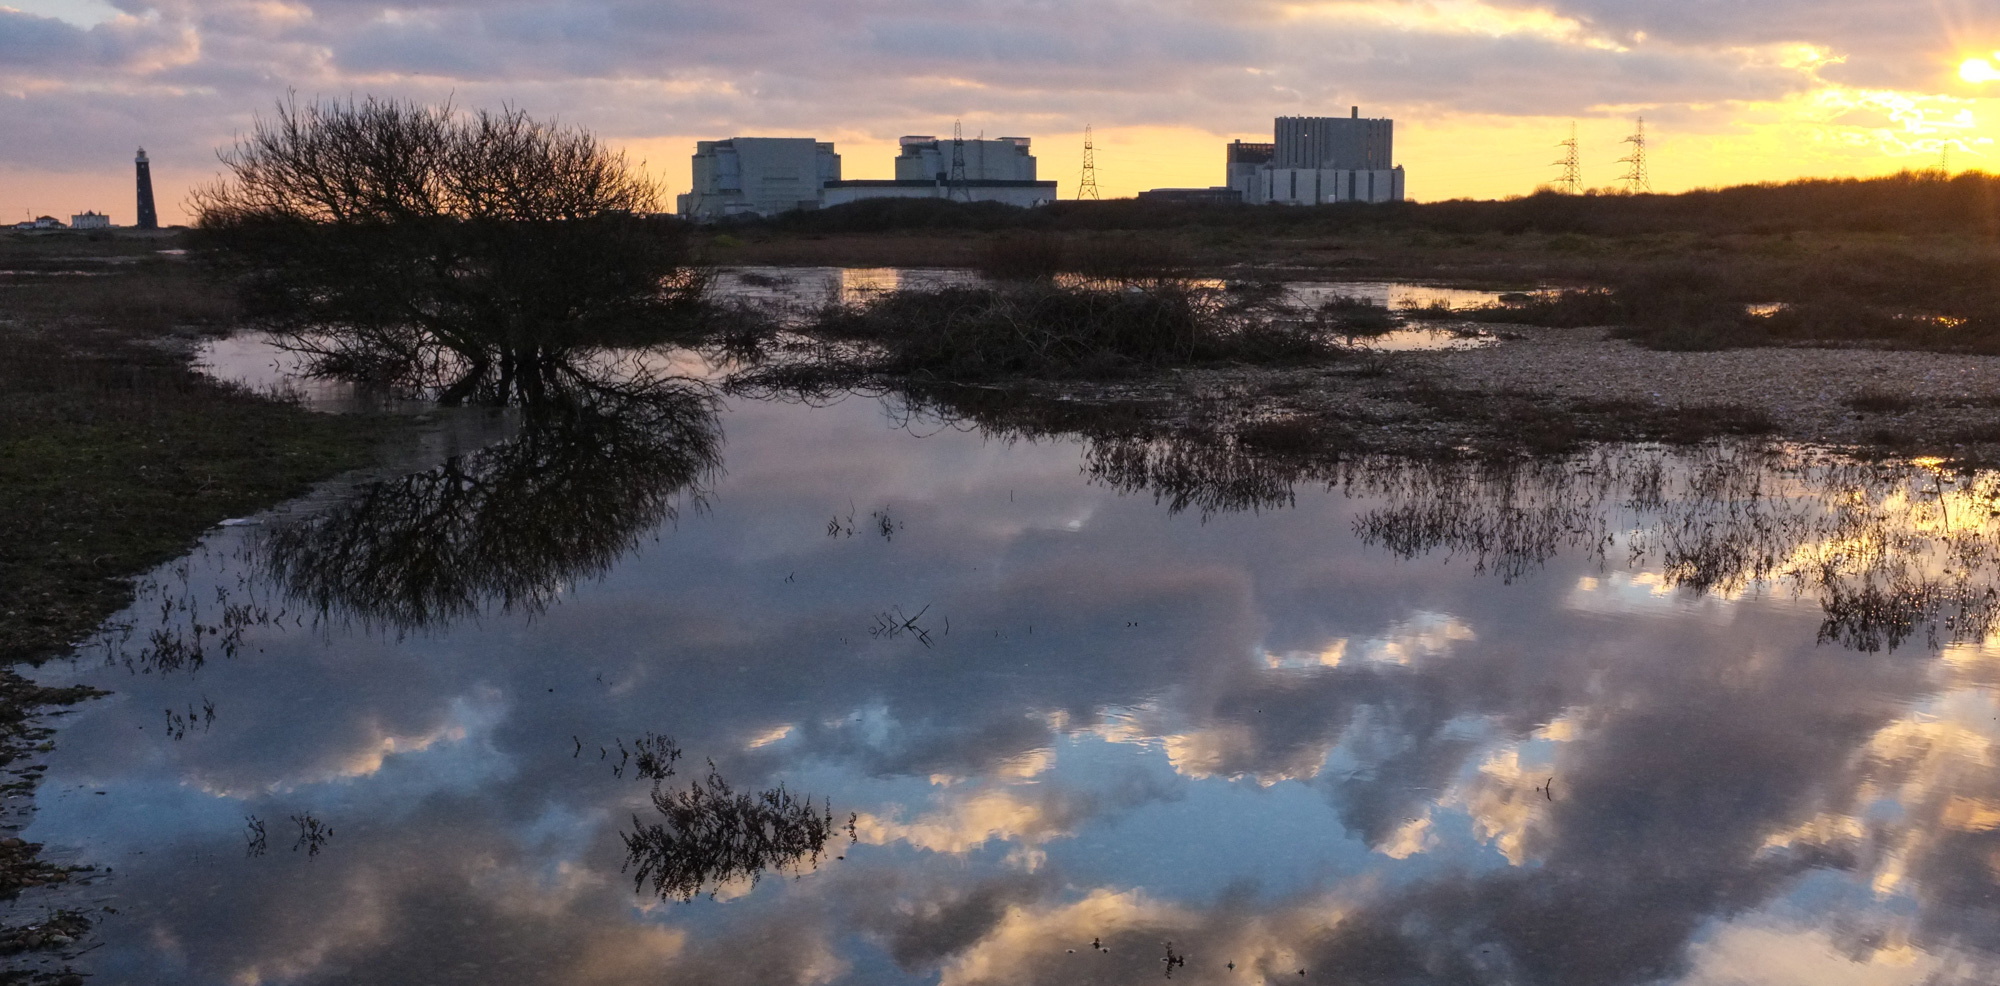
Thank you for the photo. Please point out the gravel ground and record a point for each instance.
(1540, 390)
(1804, 391)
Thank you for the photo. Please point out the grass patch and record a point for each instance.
(1062, 331)
(1880, 402)
(1295, 437)
(115, 455)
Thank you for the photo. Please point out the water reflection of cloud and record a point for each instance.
(1773, 955)
(968, 820)
(1701, 770)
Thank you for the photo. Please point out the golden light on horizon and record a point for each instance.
(1978, 70)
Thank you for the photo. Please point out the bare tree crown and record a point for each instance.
(382, 160)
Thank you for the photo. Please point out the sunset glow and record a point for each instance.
(1481, 90)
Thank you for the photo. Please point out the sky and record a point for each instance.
(1481, 90)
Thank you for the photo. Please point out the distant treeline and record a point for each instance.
(1910, 202)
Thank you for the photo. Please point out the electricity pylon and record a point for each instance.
(1635, 179)
(1572, 177)
(1087, 187)
(958, 189)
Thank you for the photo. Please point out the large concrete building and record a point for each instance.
(768, 175)
(1000, 170)
(760, 176)
(930, 159)
(1313, 160)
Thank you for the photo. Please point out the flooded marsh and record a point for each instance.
(611, 700)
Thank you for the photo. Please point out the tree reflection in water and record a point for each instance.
(513, 523)
(711, 835)
(1894, 552)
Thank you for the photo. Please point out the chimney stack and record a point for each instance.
(1357, 113)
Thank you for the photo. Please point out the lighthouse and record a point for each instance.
(148, 217)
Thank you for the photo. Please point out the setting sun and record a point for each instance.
(1980, 69)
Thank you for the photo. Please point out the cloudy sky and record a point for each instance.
(1732, 90)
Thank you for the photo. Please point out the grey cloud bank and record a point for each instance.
(181, 78)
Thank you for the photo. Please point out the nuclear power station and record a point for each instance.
(764, 176)
(1310, 160)
(1315, 160)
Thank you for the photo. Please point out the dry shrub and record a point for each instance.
(1046, 329)
(1023, 257)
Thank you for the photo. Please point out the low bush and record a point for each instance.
(1880, 402)
(1567, 309)
(1046, 329)
(1356, 316)
(1022, 257)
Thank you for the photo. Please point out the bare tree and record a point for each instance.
(389, 161)
(391, 240)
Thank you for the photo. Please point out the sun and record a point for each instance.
(1977, 70)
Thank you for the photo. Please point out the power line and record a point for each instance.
(1572, 176)
(1087, 187)
(1635, 179)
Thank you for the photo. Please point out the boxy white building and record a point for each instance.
(1322, 186)
(767, 175)
(90, 220)
(1001, 159)
(1026, 194)
(1317, 160)
(758, 176)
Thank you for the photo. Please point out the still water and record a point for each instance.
(832, 694)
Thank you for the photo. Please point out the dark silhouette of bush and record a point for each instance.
(1058, 330)
(1023, 256)
(1915, 202)
(395, 235)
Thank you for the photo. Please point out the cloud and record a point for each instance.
(185, 77)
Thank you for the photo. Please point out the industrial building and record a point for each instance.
(930, 159)
(1192, 196)
(767, 175)
(759, 176)
(1244, 160)
(1313, 160)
